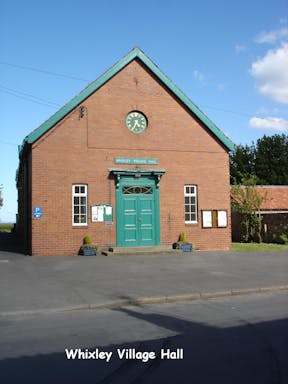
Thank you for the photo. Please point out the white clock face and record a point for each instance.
(136, 122)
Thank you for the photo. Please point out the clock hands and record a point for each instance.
(136, 124)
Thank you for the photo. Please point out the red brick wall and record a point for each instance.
(80, 150)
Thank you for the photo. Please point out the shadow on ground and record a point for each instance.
(250, 353)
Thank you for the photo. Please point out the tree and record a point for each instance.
(271, 160)
(266, 162)
(242, 163)
(246, 200)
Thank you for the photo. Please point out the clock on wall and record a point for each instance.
(136, 122)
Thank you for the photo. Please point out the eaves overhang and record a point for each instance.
(135, 53)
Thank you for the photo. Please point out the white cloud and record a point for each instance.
(272, 36)
(198, 75)
(271, 74)
(269, 123)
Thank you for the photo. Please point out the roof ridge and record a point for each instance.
(135, 53)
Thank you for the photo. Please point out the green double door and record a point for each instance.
(137, 212)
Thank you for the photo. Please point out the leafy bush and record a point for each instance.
(87, 240)
(284, 236)
(88, 245)
(246, 200)
(5, 227)
(182, 237)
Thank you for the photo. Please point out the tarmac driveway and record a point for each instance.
(29, 284)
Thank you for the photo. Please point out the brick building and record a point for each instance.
(130, 161)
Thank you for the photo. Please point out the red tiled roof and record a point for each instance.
(277, 197)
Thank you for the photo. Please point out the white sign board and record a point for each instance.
(222, 218)
(207, 219)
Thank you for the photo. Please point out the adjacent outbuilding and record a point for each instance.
(131, 161)
(273, 211)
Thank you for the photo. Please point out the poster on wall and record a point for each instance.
(97, 213)
(102, 212)
(108, 210)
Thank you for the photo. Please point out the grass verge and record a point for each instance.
(6, 227)
(256, 247)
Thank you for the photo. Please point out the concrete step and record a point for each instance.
(113, 251)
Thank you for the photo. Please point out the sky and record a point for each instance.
(229, 57)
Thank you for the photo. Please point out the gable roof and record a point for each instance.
(136, 53)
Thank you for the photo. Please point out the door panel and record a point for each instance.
(146, 219)
(130, 219)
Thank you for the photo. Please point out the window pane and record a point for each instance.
(76, 200)
(192, 217)
(76, 219)
(128, 190)
(83, 200)
(76, 189)
(82, 189)
(147, 190)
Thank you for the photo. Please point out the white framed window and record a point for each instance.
(190, 204)
(79, 204)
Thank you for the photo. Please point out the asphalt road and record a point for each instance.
(35, 284)
(229, 340)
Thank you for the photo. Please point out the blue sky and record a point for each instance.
(229, 57)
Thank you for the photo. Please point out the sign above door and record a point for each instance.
(135, 161)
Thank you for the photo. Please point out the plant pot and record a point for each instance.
(186, 247)
(87, 251)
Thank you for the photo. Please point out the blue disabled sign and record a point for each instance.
(37, 212)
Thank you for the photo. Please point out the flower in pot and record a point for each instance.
(183, 244)
(88, 248)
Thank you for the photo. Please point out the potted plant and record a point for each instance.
(183, 244)
(88, 248)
